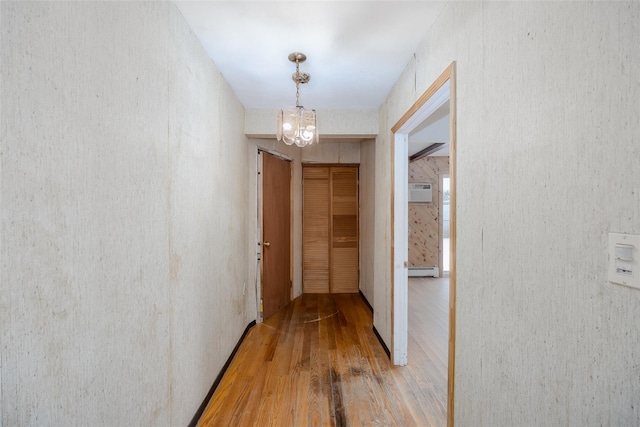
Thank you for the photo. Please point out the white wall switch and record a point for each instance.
(624, 259)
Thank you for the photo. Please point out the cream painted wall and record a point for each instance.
(382, 230)
(548, 153)
(124, 283)
(367, 218)
(334, 125)
(332, 152)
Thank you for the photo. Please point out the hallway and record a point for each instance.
(318, 362)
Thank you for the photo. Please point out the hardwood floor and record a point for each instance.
(317, 362)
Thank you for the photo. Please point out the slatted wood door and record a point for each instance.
(276, 234)
(330, 229)
(315, 220)
(345, 268)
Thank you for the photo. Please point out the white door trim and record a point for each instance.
(442, 89)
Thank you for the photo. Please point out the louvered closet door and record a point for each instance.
(315, 230)
(344, 230)
(330, 229)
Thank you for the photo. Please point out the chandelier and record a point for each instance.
(297, 125)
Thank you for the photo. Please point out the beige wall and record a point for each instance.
(367, 218)
(124, 286)
(425, 219)
(382, 230)
(548, 102)
(124, 283)
(128, 215)
(335, 125)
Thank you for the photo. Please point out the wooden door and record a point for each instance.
(276, 234)
(330, 252)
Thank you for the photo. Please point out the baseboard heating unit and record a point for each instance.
(424, 272)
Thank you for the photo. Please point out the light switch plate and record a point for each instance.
(622, 270)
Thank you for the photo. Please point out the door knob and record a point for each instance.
(266, 244)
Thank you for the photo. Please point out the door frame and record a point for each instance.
(443, 88)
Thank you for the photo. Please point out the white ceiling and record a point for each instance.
(434, 128)
(356, 50)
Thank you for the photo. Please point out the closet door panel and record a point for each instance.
(345, 272)
(315, 248)
(345, 268)
(330, 229)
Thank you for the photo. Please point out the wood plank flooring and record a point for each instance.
(317, 362)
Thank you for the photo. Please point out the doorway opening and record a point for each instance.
(441, 91)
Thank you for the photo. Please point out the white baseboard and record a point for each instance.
(424, 272)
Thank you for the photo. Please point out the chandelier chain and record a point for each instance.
(297, 83)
